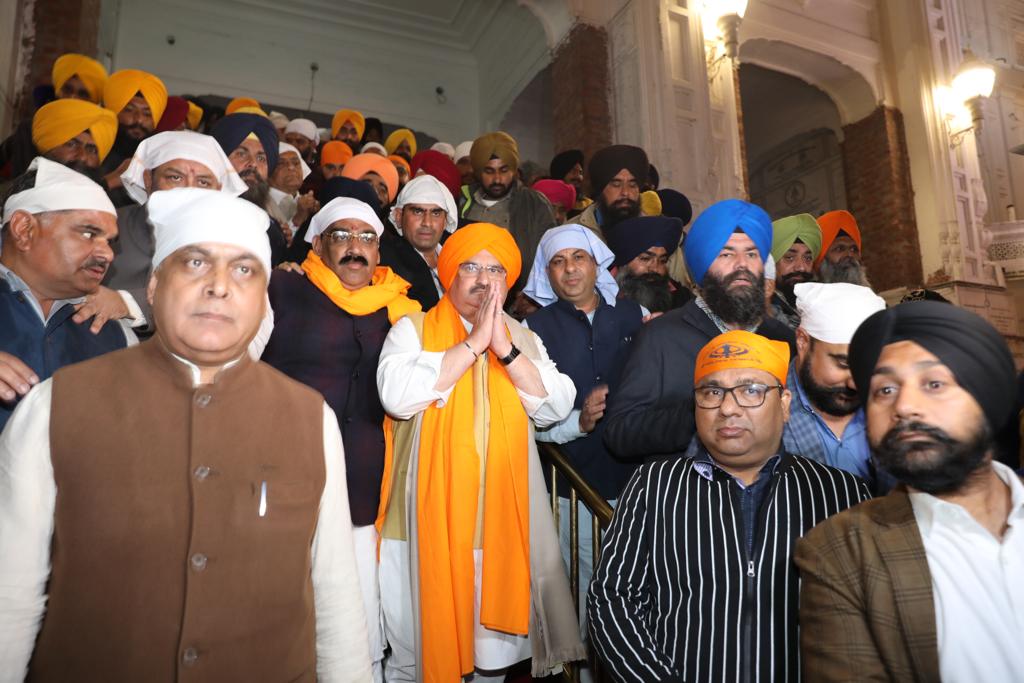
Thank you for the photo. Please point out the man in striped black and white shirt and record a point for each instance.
(696, 580)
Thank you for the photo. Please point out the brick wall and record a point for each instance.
(60, 26)
(580, 92)
(880, 195)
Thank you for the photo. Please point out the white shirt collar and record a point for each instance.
(931, 511)
(197, 374)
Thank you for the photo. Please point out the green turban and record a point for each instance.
(788, 230)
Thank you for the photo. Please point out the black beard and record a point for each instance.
(787, 282)
(847, 270)
(496, 190)
(124, 144)
(612, 215)
(258, 192)
(649, 290)
(836, 401)
(744, 307)
(950, 465)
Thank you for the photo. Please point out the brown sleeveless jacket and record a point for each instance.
(166, 564)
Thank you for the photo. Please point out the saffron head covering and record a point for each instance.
(832, 312)
(335, 152)
(305, 128)
(831, 224)
(195, 115)
(361, 164)
(563, 162)
(57, 188)
(558, 192)
(350, 115)
(966, 343)
(608, 162)
(497, 144)
(240, 102)
(92, 74)
(399, 161)
(427, 190)
(59, 121)
(634, 236)
(340, 209)
(742, 349)
(231, 130)
(715, 226)
(181, 144)
(123, 85)
(175, 114)
(398, 137)
(437, 164)
(571, 236)
(788, 230)
(467, 241)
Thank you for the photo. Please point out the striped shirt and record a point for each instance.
(678, 597)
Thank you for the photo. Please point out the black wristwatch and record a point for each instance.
(512, 355)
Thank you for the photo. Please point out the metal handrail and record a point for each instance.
(601, 514)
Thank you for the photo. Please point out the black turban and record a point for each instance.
(676, 205)
(967, 344)
(634, 236)
(607, 163)
(231, 130)
(564, 161)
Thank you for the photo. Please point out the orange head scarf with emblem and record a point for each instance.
(57, 122)
(92, 74)
(742, 349)
(448, 481)
(833, 223)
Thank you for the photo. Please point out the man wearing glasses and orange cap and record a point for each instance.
(696, 580)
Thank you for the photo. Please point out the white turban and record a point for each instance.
(445, 149)
(278, 119)
(463, 150)
(374, 148)
(181, 144)
(769, 270)
(572, 236)
(189, 215)
(283, 148)
(305, 128)
(426, 189)
(58, 188)
(832, 312)
(341, 208)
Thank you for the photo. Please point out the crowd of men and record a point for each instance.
(320, 462)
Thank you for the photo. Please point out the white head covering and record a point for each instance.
(571, 236)
(426, 189)
(278, 119)
(769, 269)
(283, 147)
(338, 209)
(180, 144)
(462, 150)
(445, 149)
(58, 188)
(189, 215)
(832, 312)
(374, 148)
(305, 128)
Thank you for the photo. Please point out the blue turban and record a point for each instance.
(715, 226)
(231, 130)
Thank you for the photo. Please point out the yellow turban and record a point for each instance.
(59, 121)
(122, 86)
(195, 115)
(497, 144)
(248, 109)
(742, 349)
(467, 241)
(239, 102)
(396, 138)
(89, 71)
(350, 115)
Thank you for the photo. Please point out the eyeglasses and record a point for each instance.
(474, 269)
(750, 395)
(344, 237)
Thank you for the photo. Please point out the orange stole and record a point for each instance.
(385, 289)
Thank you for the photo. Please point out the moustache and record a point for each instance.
(796, 276)
(739, 275)
(478, 288)
(938, 436)
(353, 258)
(96, 263)
(496, 186)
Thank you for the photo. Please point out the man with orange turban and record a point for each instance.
(74, 132)
(138, 99)
(376, 170)
(471, 575)
(840, 257)
(348, 126)
(735, 506)
(333, 157)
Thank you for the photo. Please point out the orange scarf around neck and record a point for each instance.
(385, 289)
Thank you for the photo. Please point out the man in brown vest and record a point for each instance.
(176, 510)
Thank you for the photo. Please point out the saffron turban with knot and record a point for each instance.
(786, 231)
(715, 226)
(231, 130)
(833, 223)
(742, 349)
(467, 241)
(361, 164)
(398, 137)
(335, 152)
(350, 115)
(89, 71)
(496, 144)
(59, 121)
(239, 103)
(123, 85)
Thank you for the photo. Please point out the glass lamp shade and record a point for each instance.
(973, 79)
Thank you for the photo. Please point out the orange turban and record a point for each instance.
(350, 115)
(123, 85)
(397, 160)
(361, 164)
(831, 224)
(239, 102)
(89, 71)
(335, 152)
(398, 137)
(497, 144)
(467, 241)
(195, 115)
(59, 121)
(741, 349)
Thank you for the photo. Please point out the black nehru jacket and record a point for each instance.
(400, 256)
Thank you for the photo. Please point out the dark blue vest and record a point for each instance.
(336, 353)
(591, 355)
(47, 348)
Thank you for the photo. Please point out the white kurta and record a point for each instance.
(406, 376)
(27, 503)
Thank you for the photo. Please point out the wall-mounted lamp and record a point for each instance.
(721, 22)
(972, 84)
